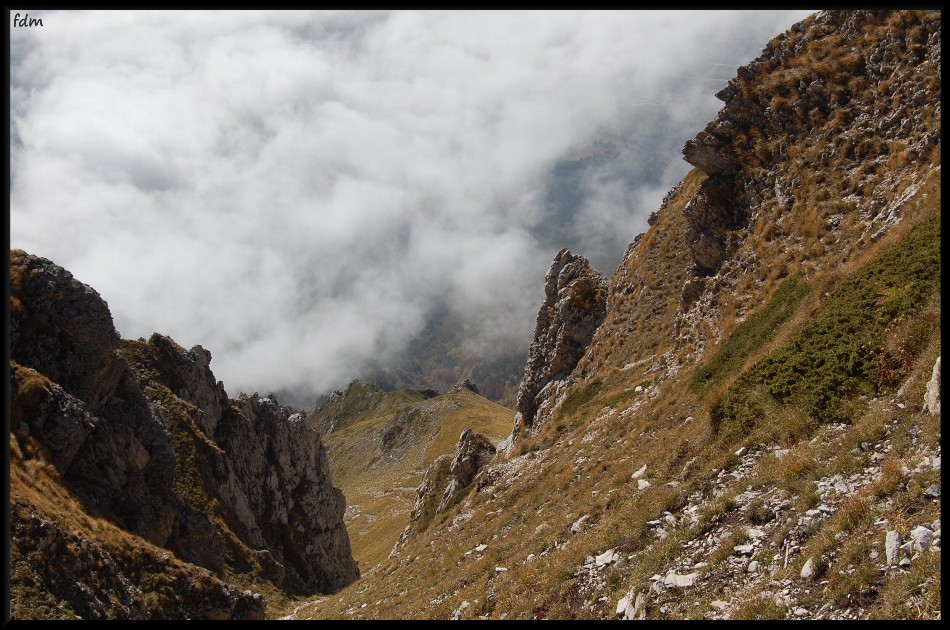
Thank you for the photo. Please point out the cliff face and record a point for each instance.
(144, 436)
(259, 465)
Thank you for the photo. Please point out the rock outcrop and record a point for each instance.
(791, 99)
(259, 461)
(932, 395)
(575, 303)
(108, 445)
(143, 435)
(446, 479)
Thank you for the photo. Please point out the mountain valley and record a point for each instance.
(741, 422)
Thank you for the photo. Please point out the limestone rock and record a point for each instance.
(892, 543)
(678, 580)
(808, 569)
(472, 452)
(921, 537)
(932, 395)
(445, 478)
(114, 452)
(631, 608)
(575, 303)
(111, 414)
(63, 329)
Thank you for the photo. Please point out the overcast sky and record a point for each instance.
(293, 191)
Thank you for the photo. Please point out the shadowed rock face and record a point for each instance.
(108, 445)
(575, 303)
(110, 414)
(265, 466)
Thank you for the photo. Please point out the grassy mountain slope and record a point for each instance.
(753, 432)
(381, 445)
(740, 442)
(870, 473)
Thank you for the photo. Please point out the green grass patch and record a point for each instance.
(580, 397)
(751, 334)
(835, 357)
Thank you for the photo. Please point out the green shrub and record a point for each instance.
(752, 333)
(836, 357)
(579, 397)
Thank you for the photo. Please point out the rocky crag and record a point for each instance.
(445, 481)
(574, 305)
(143, 437)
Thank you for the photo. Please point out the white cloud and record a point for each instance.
(295, 190)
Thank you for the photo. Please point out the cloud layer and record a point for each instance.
(294, 191)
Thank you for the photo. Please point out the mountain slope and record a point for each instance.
(379, 445)
(754, 429)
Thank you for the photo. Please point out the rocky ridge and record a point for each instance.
(150, 441)
(803, 167)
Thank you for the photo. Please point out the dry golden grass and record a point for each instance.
(380, 485)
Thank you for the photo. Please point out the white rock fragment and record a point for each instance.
(921, 537)
(642, 484)
(625, 607)
(742, 451)
(481, 548)
(755, 533)
(932, 395)
(458, 611)
(630, 608)
(639, 607)
(753, 567)
(579, 523)
(640, 472)
(808, 571)
(892, 544)
(608, 557)
(680, 581)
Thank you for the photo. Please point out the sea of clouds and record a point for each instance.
(295, 190)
